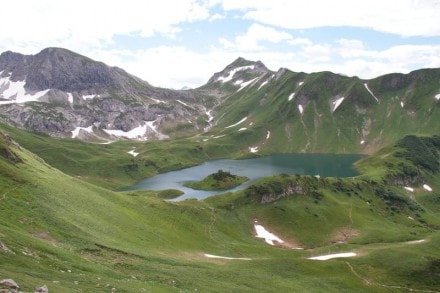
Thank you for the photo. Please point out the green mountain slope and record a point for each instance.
(70, 235)
(323, 112)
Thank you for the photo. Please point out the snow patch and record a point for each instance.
(427, 187)
(371, 93)
(231, 73)
(219, 136)
(362, 141)
(245, 84)
(15, 92)
(335, 255)
(158, 101)
(268, 134)
(266, 235)
(75, 132)
(301, 109)
(402, 104)
(265, 82)
(133, 152)
(241, 129)
(291, 96)
(437, 97)
(238, 82)
(253, 149)
(300, 83)
(210, 117)
(337, 103)
(415, 241)
(225, 257)
(153, 127)
(135, 133)
(70, 98)
(410, 189)
(185, 104)
(89, 97)
(238, 123)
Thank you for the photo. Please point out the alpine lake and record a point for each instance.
(323, 165)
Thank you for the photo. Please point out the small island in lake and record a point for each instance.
(218, 181)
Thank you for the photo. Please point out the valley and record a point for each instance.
(67, 220)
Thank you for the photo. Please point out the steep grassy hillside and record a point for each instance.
(326, 112)
(73, 236)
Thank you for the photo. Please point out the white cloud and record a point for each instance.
(216, 16)
(84, 23)
(300, 42)
(256, 34)
(90, 27)
(404, 17)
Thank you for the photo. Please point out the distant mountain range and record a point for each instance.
(64, 94)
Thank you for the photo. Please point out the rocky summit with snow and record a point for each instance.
(64, 94)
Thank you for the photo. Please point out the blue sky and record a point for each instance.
(177, 43)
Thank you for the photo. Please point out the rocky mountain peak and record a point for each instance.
(60, 69)
(237, 69)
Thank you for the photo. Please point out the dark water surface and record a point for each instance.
(324, 165)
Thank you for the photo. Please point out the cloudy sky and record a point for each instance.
(177, 43)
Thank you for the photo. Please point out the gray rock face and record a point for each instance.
(82, 93)
(60, 69)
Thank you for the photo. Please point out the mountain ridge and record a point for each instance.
(107, 103)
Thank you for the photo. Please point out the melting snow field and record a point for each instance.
(89, 97)
(427, 187)
(265, 82)
(337, 103)
(238, 123)
(137, 132)
(336, 255)
(133, 152)
(210, 117)
(371, 93)
(291, 96)
(268, 134)
(225, 257)
(75, 132)
(231, 73)
(253, 149)
(415, 241)
(70, 98)
(245, 84)
(15, 92)
(185, 104)
(437, 97)
(410, 189)
(266, 235)
(301, 109)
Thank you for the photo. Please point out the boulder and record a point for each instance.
(42, 289)
(9, 283)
